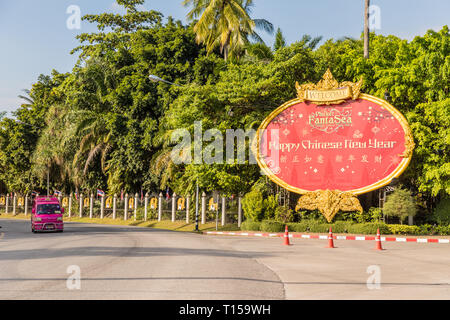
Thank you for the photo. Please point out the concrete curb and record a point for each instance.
(324, 237)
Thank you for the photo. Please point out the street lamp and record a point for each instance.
(24, 123)
(196, 208)
(154, 78)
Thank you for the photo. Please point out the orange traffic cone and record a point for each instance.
(330, 239)
(286, 237)
(378, 241)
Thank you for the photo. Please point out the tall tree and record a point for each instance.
(430, 167)
(225, 24)
(121, 26)
(18, 137)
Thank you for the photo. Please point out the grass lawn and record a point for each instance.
(164, 224)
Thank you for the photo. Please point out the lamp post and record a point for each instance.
(154, 78)
(48, 180)
(196, 208)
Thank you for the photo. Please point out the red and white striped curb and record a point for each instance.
(324, 237)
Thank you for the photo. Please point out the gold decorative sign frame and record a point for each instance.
(330, 92)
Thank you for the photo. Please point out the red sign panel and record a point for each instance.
(355, 146)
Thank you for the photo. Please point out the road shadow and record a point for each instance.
(103, 251)
(17, 230)
(21, 229)
(245, 279)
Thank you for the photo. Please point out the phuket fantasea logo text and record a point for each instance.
(330, 120)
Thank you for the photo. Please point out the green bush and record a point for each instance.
(351, 216)
(249, 225)
(442, 212)
(375, 214)
(152, 214)
(317, 226)
(311, 215)
(272, 226)
(284, 214)
(426, 229)
(341, 226)
(270, 206)
(403, 229)
(368, 228)
(259, 204)
(302, 226)
(400, 204)
(442, 230)
(252, 204)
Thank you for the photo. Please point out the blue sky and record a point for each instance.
(34, 38)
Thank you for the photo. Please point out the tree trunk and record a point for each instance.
(225, 47)
(366, 29)
(225, 53)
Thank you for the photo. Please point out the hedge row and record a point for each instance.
(345, 227)
(425, 229)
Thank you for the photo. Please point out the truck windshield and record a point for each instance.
(51, 208)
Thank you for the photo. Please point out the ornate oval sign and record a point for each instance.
(356, 146)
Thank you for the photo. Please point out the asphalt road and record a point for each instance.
(141, 263)
(127, 263)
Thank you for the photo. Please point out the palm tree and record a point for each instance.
(225, 23)
(310, 42)
(162, 164)
(261, 24)
(95, 139)
(54, 147)
(90, 115)
(366, 29)
(259, 51)
(279, 40)
(77, 130)
(28, 98)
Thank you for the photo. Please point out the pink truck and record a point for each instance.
(47, 215)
